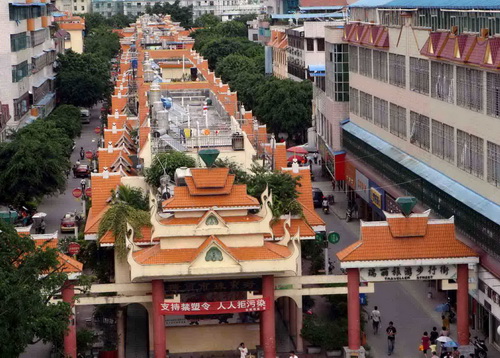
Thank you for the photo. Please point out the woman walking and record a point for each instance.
(426, 343)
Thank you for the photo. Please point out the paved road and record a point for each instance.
(57, 206)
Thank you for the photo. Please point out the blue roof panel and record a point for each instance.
(369, 3)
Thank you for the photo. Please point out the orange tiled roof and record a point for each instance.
(280, 156)
(295, 225)
(205, 178)
(305, 188)
(68, 264)
(402, 227)
(377, 242)
(311, 217)
(93, 220)
(184, 200)
(109, 239)
(101, 190)
(196, 220)
(156, 256)
(205, 190)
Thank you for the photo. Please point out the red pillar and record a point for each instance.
(68, 294)
(267, 324)
(463, 304)
(353, 309)
(160, 342)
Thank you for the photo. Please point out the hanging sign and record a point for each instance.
(77, 192)
(218, 307)
(406, 273)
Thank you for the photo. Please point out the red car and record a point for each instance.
(82, 171)
(68, 222)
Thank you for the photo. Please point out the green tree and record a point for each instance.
(245, 18)
(93, 20)
(167, 163)
(283, 187)
(207, 21)
(134, 197)
(231, 66)
(102, 42)
(232, 29)
(219, 48)
(67, 117)
(82, 79)
(241, 176)
(115, 220)
(182, 14)
(26, 313)
(34, 163)
(246, 84)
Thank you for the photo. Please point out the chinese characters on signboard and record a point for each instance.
(218, 307)
(375, 197)
(175, 288)
(362, 186)
(397, 273)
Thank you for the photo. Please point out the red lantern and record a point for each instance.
(77, 192)
(88, 192)
(73, 248)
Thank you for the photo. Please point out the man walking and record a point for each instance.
(391, 337)
(376, 319)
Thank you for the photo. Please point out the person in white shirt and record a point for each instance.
(293, 355)
(243, 350)
(376, 319)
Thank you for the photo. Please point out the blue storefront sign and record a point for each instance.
(377, 198)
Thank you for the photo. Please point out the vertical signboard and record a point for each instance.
(362, 186)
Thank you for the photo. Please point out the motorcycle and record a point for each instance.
(480, 348)
(326, 209)
(348, 214)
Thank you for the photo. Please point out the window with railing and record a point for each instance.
(443, 141)
(398, 120)
(42, 90)
(365, 61)
(38, 37)
(380, 65)
(353, 58)
(365, 106)
(493, 163)
(470, 88)
(470, 153)
(381, 112)
(419, 75)
(353, 100)
(420, 132)
(493, 94)
(442, 81)
(21, 106)
(20, 71)
(19, 41)
(397, 74)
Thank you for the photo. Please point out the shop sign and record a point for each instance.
(406, 273)
(175, 288)
(376, 197)
(350, 175)
(390, 204)
(362, 185)
(218, 307)
(340, 165)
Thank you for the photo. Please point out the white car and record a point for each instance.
(85, 115)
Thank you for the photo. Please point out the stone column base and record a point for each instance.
(354, 353)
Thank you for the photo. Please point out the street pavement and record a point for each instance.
(406, 303)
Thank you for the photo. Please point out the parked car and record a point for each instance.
(85, 115)
(317, 197)
(68, 222)
(82, 171)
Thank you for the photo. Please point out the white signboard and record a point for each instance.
(399, 273)
(362, 186)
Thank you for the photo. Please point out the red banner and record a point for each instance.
(199, 308)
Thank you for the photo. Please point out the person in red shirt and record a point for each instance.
(426, 343)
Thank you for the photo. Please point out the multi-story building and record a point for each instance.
(74, 6)
(278, 44)
(108, 8)
(26, 56)
(412, 97)
(72, 28)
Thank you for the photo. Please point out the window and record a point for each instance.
(380, 65)
(83, 8)
(321, 44)
(310, 44)
(255, 37)
(398, 121)
(443, 141)
(19, 42)
(42, 90)
(353, 100)
(397, 73)
(21, 106)
(493, 164)
(365, 106)
(365, 61)
(493, 94)
(38, 37)
(442, 81)
(75, 8)
(419, 75)
(470, 88)
(381, 112)
(420, 131)
(212, 220)
(470, 153)
(353, 59)
(20, 71)
(341, 72)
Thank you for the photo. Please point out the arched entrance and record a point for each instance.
(137, 328)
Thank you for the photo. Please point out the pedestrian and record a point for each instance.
(455, 353)
(444, 332)
(293, 355)
(43, 226)
(315, 156)
(376, 319)
(243, 350)
(74, 171)
(426, 343)
(434, 355)
(82, 153)
(391, 337)
(446, 322)
(434, 335)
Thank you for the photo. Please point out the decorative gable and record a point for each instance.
(214, 257)
(212, 224)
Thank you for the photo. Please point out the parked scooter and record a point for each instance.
(480, 348)
(348, 214)
(325, 206)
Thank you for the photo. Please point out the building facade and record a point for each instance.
(27, 55)
(74, 6)
(422, 118)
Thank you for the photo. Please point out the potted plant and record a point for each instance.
(335, 337)
(312, 333)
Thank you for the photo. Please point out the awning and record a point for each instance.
(316, 70)
(479, 203)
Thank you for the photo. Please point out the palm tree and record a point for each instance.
(115, 221)
(134, 197)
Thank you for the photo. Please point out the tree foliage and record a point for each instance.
(207, 21)
(67, 117)
(132, 196)
(25, 308)
(102, 42)
(95, 20)
(178, 13)
(82, 79)
(167, 163)
(230, 67)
